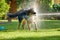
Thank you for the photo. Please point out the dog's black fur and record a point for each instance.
(22, 14)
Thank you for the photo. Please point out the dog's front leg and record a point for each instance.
(28, 25)
(35, 26)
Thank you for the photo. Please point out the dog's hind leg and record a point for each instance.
(23, 23)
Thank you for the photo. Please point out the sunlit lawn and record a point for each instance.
(49, 30)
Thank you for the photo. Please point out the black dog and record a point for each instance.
(23, 14)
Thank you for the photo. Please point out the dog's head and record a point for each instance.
(31, 12)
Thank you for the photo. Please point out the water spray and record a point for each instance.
(42, 14)
(37, 19)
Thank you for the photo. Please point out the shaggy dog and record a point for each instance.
(23, 16)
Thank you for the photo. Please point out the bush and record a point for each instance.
(56, 7)
(4, 7)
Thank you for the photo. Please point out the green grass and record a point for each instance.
(49, 30)
(51, 24)
(26, 35)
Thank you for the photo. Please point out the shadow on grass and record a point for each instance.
(36, 38)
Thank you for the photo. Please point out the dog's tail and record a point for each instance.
(12, 15)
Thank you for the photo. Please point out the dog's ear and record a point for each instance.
(30, 11)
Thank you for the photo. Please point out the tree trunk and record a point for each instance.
(13, 8)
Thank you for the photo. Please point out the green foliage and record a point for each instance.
(21, 2)
(46, 5)
(56, 7)
(7, 1)
(4, 7)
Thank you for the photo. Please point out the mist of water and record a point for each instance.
(36, 18)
